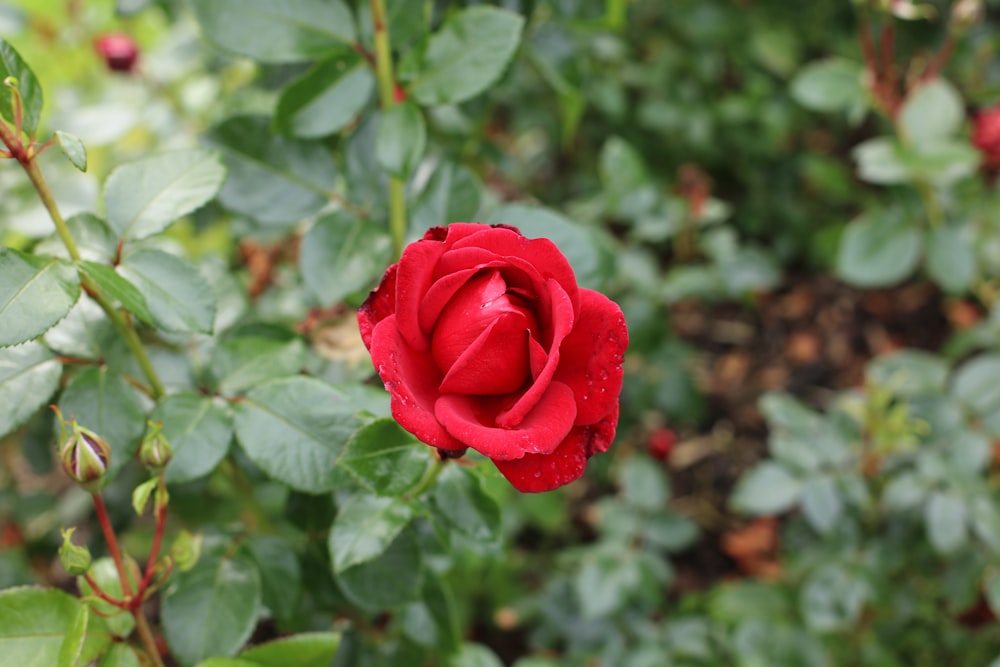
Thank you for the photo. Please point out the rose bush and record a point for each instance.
(484, 340)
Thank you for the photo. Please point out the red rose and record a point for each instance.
(986, 136)
(484, 340)
(119, 51)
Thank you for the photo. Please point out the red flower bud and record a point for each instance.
(986, 136)
(660, 443)
(119, 51)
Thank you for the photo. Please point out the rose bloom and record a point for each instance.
(986, 136)
(484, 340)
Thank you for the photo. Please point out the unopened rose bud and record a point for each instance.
(85, 456)
(155, 451)
(75, 559)
(119, 51)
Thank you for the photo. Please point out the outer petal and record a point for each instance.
(591, 357)
(543, 472)
(380, 304)
(416, 268)
(468, 420)
(411, 378)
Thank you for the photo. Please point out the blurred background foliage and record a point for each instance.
(806, 467)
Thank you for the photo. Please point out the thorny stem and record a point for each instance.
(26, 159)
(386, 89)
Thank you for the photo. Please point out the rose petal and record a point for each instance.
(468, 420)
(416, 268)
(495, 363)
(543, 472)
(591, 356)
(464, 318)
(379, 305)
(562, 324)
(411, 378)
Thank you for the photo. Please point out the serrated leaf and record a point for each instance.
(118, 288)
(29, 375)
(341, 255)
(293, 429)
(199, 429)
(241, 363)
(432, 621)
(326, 98)
(384, 458)
(34, 623)
(179, 298)
(272, 179)
(72, 148)
(390, 580)
(72, 646)
(104, 402)
(142, 198)
(85, 333)
(465, 56)
(94, 239)
(276, 32)
(364, 528)
(453, 193)
(766, 489)
(459, 498)
(35, 293)
(879, 249)
(280, 574)
(12, 65)
(400, 139)
(211, 609)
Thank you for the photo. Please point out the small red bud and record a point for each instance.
(119, 51)
(986, 136)
(660, 443)
(398, 94)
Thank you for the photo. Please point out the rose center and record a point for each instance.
(481, 339)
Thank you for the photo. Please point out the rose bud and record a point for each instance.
(484, 340)
(155, 451)
(660, 443)
(986, 136)
(75, 559)
(85, 456)
(119, 51)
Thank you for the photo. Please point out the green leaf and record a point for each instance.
(272, 179)
(211, 609)
(294, 429)
(35, 293)
(474, 655)
(766, 489)
(604, 582)
(179, 298)
(104, 402)
(241, 363)
(945, 518)
(643, 483)
(931, 111)
(432, 621)
(991, 589)
(29, 375)
(460, 499)
(904, 492)
(120, 655)
(142, 198)
(951, 258)
(119, 622)
(280, 574)
(453, 193)
(342, 254)
(199, 430)
(12, 65)
(400, 139)
(834, 84)
(326, 98)
(975, 385)
(821, 503)
(72, 646)
(364, 528)
(117, 288)
(879, 249)
(882, 161)
(390, 580)
(308, 649)
(85, 333)
(624, 177)
(94, 239)
(34, 623)
(72, 148)
(276, 32)
(833, 599)
(384, 458)
(908, 373)
(465, 56)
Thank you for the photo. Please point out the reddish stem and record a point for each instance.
(940, 59)
(154, 552)
(887, 45)
(109, 536)
(99, 592)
